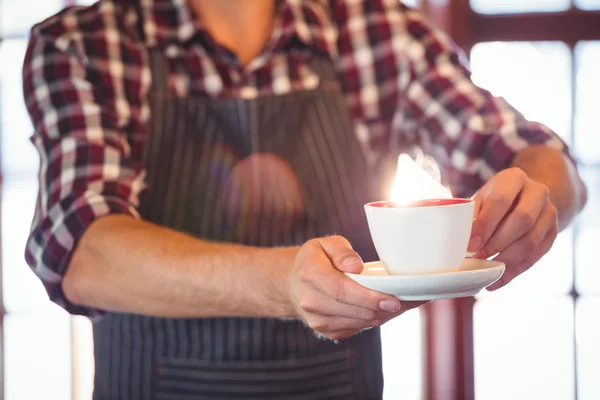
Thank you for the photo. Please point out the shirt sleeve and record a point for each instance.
(86, 167)
(471, 133)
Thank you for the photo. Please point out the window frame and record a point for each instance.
(3, 311)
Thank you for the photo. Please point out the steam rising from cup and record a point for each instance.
(418, 179)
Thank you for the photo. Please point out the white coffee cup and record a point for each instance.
(431, 236)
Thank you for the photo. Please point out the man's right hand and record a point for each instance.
(327, 300)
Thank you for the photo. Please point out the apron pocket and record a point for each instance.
(326, 376)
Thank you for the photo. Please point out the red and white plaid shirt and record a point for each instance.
(87, 77)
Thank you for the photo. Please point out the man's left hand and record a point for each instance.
(515, 219)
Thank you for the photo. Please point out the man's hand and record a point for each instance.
(327, 300)
(515, 219)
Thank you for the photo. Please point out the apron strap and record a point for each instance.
(324, 68)
(159, 65)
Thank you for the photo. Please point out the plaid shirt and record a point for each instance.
(87, 77)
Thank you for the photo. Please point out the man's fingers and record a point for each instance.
(528, 243)
(528, 221)
(383, 319)
(318, 303)
(406, 306)
(523, 266)
(497, 200)
(478, 199)
(318, 273)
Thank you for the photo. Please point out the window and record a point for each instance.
(543, 71)
(39, 337)
(539, 333)
(543, 57)
(530, 325)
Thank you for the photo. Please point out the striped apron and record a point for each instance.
(268, 171)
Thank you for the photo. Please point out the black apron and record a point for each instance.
(266, 171)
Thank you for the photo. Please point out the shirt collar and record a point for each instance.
(171, 22)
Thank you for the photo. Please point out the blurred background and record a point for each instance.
(537, 339)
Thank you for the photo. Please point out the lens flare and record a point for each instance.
(417, 179)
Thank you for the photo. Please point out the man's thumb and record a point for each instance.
(342, 256)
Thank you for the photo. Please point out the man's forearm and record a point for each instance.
(126, 265)
(552, 168)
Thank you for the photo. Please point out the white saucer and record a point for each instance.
(473, 276)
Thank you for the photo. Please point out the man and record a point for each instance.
(196, 157)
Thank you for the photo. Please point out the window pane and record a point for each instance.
(588, 4)
(587, 118)
(38, 355)
(534, 77)
(588, 348)
(518, 6)
(22, 289)
(18, 16)
(402, 357)
(588, 237)
(18, 154)
(524, 348)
